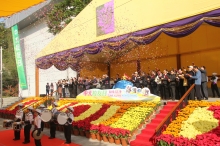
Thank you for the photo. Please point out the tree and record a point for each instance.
(63, 13)
(10, 75)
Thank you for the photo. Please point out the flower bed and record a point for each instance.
(111, 119)
(197, 124)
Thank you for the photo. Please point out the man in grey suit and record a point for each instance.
(204, 88)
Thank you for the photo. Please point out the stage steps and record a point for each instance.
(9, 101)
(148, 130)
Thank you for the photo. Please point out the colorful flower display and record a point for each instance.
(197, 124)
(116, 119)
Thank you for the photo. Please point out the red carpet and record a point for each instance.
(143, 139)
(6, 139)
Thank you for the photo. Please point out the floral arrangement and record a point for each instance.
(197, 124)
(117, 119)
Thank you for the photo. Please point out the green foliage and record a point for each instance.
(62, 12)
(164, 143)
(10, 75)
(3, 39)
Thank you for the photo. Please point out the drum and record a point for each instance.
(17, 126)
(34, 134)
(46, 115)
(7, 123)
(60, 118)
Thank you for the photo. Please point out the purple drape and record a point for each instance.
(63, 60)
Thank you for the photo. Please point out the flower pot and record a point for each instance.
(111, 139)
(75, 132)
(104, 138)
(87, 134)
(93, 135)
(124, 142)
(140, 126)
(81, 133)
(98, 137)
(117, 141)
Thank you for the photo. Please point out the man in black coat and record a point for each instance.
(172, 81)
(190, 82)
(204, 88)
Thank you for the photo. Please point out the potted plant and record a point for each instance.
(93, 131)
(104, 132)
(75, 130)
(124, 135)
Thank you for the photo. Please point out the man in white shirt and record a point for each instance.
(37, 126)
(42, 107)
(53, 121)
(28, 123)
(18, 118)
(68, 125)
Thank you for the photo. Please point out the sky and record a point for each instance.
(1, 19)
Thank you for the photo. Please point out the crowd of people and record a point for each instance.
(167, 84)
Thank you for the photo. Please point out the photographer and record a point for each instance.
(214, 85)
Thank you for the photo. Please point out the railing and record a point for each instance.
(172, 114)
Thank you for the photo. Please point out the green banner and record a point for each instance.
(18, 57)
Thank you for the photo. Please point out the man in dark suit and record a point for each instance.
(135, 80)
(204, 88)
(190, 82)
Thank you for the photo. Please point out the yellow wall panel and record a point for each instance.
(199, 38)
(121, 68)
(162, 46)
(91, 69)
(205, 37)
(161, 63)
(189, 59)
(213, 36)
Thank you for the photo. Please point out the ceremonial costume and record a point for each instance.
(18, 118)
(52, 122)
(42, 107)
(28, 123)
(68, 125)
(37, 126)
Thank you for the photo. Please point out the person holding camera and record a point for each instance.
(214, 85)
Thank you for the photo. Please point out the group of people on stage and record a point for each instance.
(166, 84)
(174, 83)
(72, 87)
(33, 117)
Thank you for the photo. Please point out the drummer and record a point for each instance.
(28, 123)
(42, 107)
(37, 126)
(53, 122)
(18, 118)
(68, 125)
